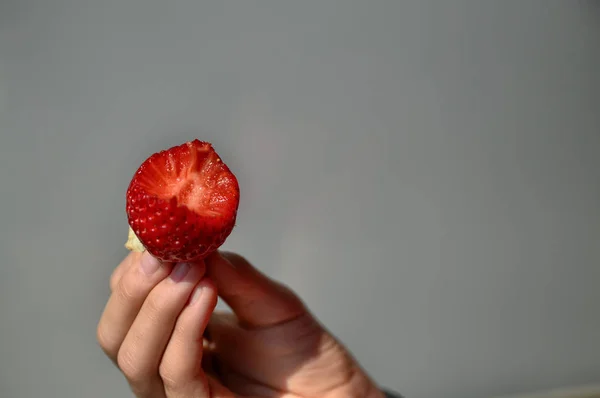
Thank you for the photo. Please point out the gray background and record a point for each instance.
(424, 174)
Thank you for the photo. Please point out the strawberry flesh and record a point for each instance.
(182, 202)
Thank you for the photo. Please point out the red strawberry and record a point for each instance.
(182, 202)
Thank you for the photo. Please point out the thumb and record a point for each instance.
(257, 300)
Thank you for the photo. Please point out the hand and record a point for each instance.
(160, 329)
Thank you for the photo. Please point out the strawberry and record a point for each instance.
(182, 202)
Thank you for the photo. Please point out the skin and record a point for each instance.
(160, 328)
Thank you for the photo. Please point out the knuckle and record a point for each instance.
(181, 331)
(169, 374)
(126, 289)
(131, 368)
(154, 307)
(107, 343)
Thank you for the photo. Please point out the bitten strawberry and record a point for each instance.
(182, 203)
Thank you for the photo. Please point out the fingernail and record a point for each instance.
(180, 271)
(197, 294)
(149, 264)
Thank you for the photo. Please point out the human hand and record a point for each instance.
(160, 329)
